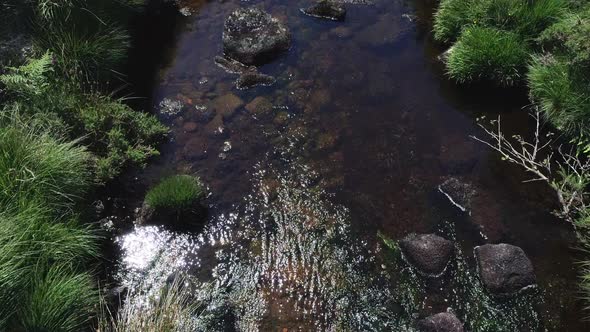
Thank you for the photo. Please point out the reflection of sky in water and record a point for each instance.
(286, 252)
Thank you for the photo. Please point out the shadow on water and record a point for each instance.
(361, 130)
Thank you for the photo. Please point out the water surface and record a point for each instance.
(363, 128)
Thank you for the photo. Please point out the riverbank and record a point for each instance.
(541, 45)
(64, 133)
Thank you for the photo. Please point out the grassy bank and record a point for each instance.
(544, 45)
(62, 132)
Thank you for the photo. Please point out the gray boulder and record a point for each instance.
(504, 269)
(441, 322)
(429, 253)
(251, 36)
(328, 9)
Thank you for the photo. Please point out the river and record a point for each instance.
(364, 127)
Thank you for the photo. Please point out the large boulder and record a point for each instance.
(441, 322)
(429, 253)
(504, 269)
(251, 36)
(328, 9)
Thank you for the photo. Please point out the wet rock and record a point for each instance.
(251, 79)
(170, 107)
(504, 269)
(232, 66)
(259, 106)
(227, 105)
(204, 114)
(441, 322)
(459, 193)
(327, 9)
(252, 36)
(429, 253)
(14, 50)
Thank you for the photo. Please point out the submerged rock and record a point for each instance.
(227, 105)
(232, 66)
(441, 322)
(429, 253)
(504, 269)
(252, 36)
(259, 106)
(459, 193)
(328, 9)
(251, 79)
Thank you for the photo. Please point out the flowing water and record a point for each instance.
(363, 129)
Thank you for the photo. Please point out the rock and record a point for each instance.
(281, 119)
(341, 32)
(328, 9)
(251, 79)
(204, 114)
(429, 253)
(251, 36)
(14, 50)
(232, 66)
(459, 193)
(227, 105)
(259, 106)
(190, 127)
(384, 32)
(170, 107)
(441, 322)
(504, 269)
(195, 149)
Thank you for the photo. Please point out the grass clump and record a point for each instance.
(177, 193)
(526, 18)
(173, 310)
(34, 165)
(562, 94)
(488, 54)
(59, 300)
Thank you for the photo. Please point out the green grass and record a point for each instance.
(519, 16)
(59, 300)
(486, 54)
(36, 166)
(172, 311)
(561, 93)
(117, 135)
(178, 192)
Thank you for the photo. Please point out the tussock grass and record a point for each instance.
(526, 18)
(173, 310)
(562, 94)
(36, 166)
(81, 53)
(488, 54)
(59, 300)
(178, 192)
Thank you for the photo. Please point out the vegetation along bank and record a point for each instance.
(63, 132)
(545, 46)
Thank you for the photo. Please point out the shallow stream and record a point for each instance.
(363, 129)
